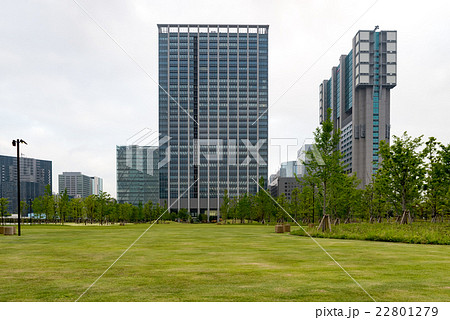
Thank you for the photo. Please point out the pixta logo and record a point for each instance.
(216, 150)
(308, 152)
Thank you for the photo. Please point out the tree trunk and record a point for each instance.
(313, 204)
(325, 224)
(403, 199)
(406, 217)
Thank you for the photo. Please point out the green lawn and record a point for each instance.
(180, 262)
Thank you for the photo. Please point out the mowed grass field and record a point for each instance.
(207, 262)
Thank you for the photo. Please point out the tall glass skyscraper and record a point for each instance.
(358, 95)
(213, 120)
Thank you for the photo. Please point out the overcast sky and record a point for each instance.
(73, 95)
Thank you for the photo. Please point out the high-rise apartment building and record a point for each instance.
(97, 185)
(213, 117)
(358, 95)
(35, 175)
(137, 174)
(79, 185)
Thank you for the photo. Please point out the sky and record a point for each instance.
(73, 94)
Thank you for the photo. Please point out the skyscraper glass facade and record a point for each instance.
(137, 174)
(35, 175)
(213, 119)
(348, 81)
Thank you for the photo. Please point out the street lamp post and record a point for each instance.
(16, 143)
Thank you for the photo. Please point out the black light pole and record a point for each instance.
(16, 143)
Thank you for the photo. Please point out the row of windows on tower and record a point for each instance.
(204, 36)
(213, 52)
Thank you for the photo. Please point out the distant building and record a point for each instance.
(289, 169)
(283, 185)
(358, 95)
(137, 174)
(79, 185)
(97, 185)
(303, 159)
(285, 181)
(35, 174)
(273, 177)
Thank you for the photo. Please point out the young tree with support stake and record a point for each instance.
(325, 166)
(402, 172)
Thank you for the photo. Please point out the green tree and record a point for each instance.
(23, 208)
(343, 194)
(49, 204)
(157, 212)
(148, 208)
(445, 165)
(103, 200)
(307, 202)
(243, 206)
(283, 204)
(232, 212)
(225, 207)
(374, 202)
(38, 207)
(446, 203)
(436, 180)
(121, 212)
(3, 208)
(324, 165)
(63, 205)
(202, 217)
(90, 206)
(308, 195)
(183, 214)
(263, 204)
(76, 206)
(295, 205)
(402, 171)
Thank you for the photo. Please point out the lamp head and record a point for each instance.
(14, 143)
